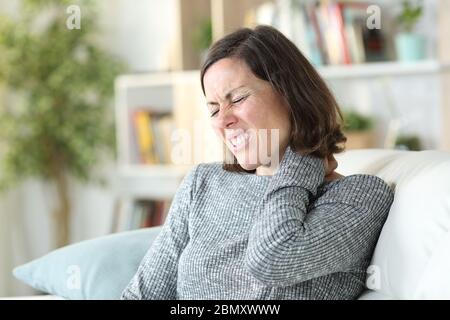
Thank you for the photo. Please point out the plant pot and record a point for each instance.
(360, 139)
(410, 47)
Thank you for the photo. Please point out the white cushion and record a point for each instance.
(412, 256)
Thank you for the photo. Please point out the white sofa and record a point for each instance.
(412, 256)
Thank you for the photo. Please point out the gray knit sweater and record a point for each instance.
(292, 235)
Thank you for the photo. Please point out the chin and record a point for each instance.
(248, 160)
(248, 166)
(247, 163)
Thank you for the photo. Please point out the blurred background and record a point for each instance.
(101, 110)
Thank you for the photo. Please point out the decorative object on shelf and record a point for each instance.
(358, 129)
(408, 142)
(410, 46)
(61, 125)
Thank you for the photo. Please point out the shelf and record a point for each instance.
(379, 69)
(155, 181)
(144, 79)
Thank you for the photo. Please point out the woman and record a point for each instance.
(259, 228)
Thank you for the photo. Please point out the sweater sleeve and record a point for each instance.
(289, 244)
(156, 277)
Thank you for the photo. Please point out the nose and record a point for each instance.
(225, 118)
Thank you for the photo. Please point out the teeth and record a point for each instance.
(240, 139)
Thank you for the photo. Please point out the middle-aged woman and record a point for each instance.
(281, 225)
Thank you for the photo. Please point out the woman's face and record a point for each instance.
(249, 115)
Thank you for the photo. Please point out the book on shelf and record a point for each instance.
(331, 32)
(142, 213)
(151, 136)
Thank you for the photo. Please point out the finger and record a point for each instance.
(327, 166)
(332, 162)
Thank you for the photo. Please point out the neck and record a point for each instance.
(265, 171)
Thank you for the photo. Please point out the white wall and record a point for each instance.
(139, 31)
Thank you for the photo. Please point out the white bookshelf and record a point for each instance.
(380, 69)
(150, 182)
(136, 181)
(133, 92)
(154, 91)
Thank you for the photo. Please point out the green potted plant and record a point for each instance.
(202, 38)
(410, 46)
(59, 123)
(408, 142)
(358, 129)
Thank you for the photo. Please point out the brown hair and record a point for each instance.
(272, 57)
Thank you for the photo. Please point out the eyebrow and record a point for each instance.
(227, 96)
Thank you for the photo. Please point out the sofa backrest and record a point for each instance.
(412, 256)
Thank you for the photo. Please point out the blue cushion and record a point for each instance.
(99, 268)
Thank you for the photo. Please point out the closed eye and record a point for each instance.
(239, 99)
(233, 102)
